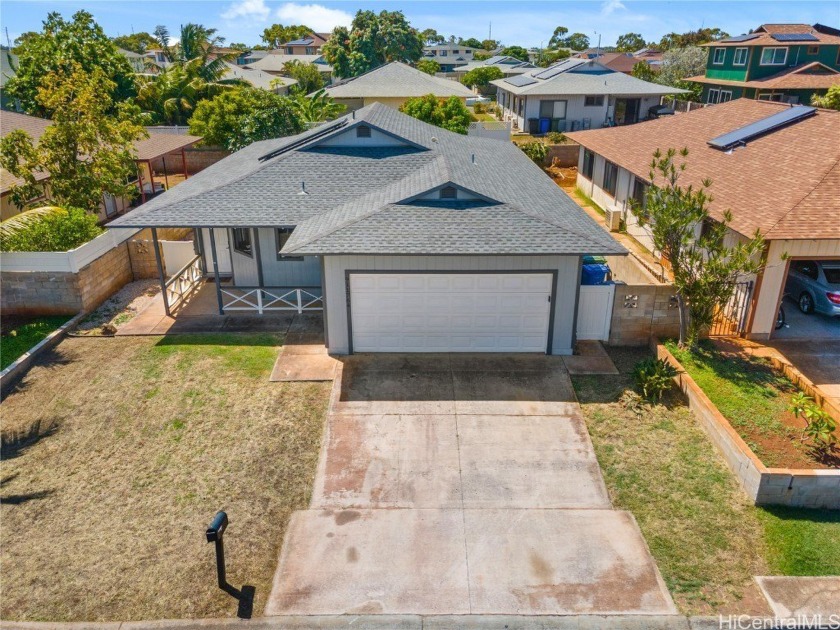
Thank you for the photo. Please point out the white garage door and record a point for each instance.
(507, 312)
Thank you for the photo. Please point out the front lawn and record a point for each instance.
(117, 454)
(20, 335)
(755, 398)
(706, 537)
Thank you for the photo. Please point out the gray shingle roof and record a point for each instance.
(364, 200)
(507, 64)
(274, 62)
(397, 80)
(582, 77)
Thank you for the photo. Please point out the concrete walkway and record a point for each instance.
(461, 485)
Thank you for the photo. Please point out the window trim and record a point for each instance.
(716, 99)
(743, 62)
(591, 168)
(722, 92)
(639, 184)
(597, 101)
(250, 252)
(812, 50)
(715, 61)
(607, 165)
(278, 244)
(774, 63)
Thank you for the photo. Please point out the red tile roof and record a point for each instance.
(785, 183)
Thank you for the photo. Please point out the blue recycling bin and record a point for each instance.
(594, 274)
(545, 125)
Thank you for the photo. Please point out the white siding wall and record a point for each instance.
(285, 272)
(349, 139)
(568, 282)
(244, 267)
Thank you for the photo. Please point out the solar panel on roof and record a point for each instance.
(520, 80)
(322, 131)
(761, 127)
(741, 38)
(795, 37)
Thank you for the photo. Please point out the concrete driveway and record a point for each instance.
(461, 484)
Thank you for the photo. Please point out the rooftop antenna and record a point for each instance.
(303, 189)
(490, 31)
(8, 41)
(473, 158)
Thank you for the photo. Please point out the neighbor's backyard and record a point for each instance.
(706, 537)
(117, 452)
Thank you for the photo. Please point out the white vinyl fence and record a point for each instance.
(595, 307)
(176, 254)
(71, 261)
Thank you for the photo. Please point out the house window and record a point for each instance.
(719, 54)
(449, 192)
(281, 236)
(725, 96)
(242, 241)
(588, 164)
(639, 193)
(552, 109)
(807, 268)
(713, 96)
(443, 53)
(455, 52)
(363, 131)
(837, 61)
(290, 50)
(813, 50)
(610, 178)
(467, 51)
(593, 101)
(774, 56)
(740, 57)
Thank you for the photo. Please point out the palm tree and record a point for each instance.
(317, 108)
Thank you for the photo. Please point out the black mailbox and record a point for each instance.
(217, 527)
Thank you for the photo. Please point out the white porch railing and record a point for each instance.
(180, 286)
(271, 299)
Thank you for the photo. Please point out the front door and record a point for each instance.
(222, 251)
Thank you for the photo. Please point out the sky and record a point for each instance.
(514, 22)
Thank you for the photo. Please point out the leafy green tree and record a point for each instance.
(429, 66)
(480, 77)
(307, 75)
(22, 39)
(679, 63)
(830, 100)
(198, 43)
(705, 269)
(472, 42)
(48, 229)
(691, 38)
(372, 40)
(136, 42)
(449, 113)
(548, 57)
(481, 56)
(170, 97)
(430, 36)
(516, 51)
(276, 35)
(558, 37)
(318, 107)
(60, 47)
(88, 150)
(237, 117)
(642, 70)
(629, 42)
(577, 41)
(490, 44)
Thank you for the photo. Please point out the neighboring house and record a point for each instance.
(392, 84)
(157, 57)
(8, 64)
(414, 238)
(309, 45)
(449, 55)
(157, 157)
(650, 56)
(258, 78)
(784, 181)
(776, 62)
(620, 62)
(274, 62)
(137, 61)
(508, 65)
(576, 94)
(252, 56)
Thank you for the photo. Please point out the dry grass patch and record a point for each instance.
(117, 453)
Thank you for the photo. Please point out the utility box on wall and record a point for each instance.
(613, 220)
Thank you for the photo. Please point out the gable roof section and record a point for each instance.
(255, 77)
(507, 64)
(785, 183)
(396, 80)
(274, 62)
(580, 77)
(764, 36)
(352, 189)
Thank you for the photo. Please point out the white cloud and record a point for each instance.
(315, 16)
(610, 6)
(255, 9)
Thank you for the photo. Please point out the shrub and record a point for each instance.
(654, 377)
(58, 231)
(535, 150)
(631, 401)
(479, 108)
(819, 427)
(555, 137)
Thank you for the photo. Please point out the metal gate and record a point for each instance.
(731, 319)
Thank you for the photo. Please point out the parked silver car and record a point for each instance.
(815, 285)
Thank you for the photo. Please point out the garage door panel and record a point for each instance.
(450, 312)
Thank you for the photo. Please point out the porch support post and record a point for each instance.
(165, 174)
(216, 272)
(151, 176)
(255, 236)
(156, 245)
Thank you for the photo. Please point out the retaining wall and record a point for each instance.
(764, 486)
(565, 154)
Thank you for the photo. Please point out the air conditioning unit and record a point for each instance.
(613, 220)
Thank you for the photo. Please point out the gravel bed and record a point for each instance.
(120, 308)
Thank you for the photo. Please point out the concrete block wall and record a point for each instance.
(142, 253)
(566, 154)
(103, 277)
(40, 293)
(642, 311)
